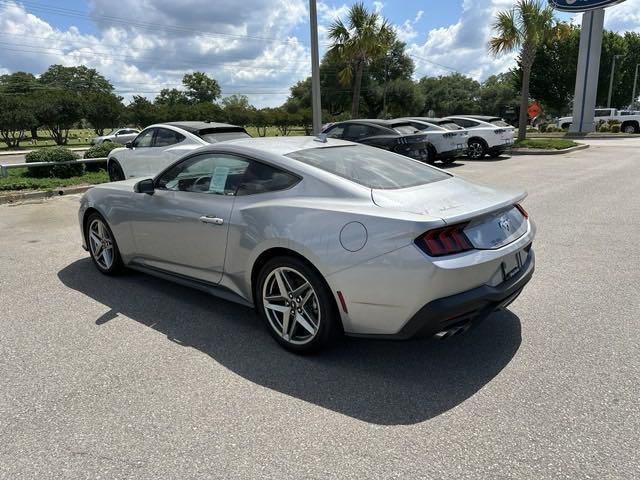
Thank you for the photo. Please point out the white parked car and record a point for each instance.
(487, 135)
(449, 142)
(117, 135)
(158, 146)
(629, 119)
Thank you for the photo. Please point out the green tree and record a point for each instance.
(141, 112)
(450, 94)
(103, 110)
(201, 88)
(20, 83)
(171, 96)
(16, 117)
(525, 28)
(58, 111)
(498, 95)
(551, 85)
(365, 37)
(237, 109)
(78, 79)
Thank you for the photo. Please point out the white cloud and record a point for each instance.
(462, 46)
(249, 52)
(623, 17)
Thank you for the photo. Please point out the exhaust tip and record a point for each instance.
(450, 332)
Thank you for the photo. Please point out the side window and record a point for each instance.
(166, 137)
(211, 173)
(144, 139)
(336, 131)
(356, 131)
(464, 123)
(261, 178)
(603, 113)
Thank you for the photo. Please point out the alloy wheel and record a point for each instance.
(476, 150)
(291, 305)
(101, 244)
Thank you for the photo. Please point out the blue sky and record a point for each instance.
(253, 47)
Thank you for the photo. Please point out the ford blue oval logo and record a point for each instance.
(582, 5)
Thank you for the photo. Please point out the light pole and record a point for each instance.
(316, 106)
(635, 84)
(613, 68)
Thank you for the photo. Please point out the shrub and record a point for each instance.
(604, 127)
(53, 154)
(615, 128)
(99, 151)
(543, 127)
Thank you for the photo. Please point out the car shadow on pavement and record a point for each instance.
(487, 159)
(381, 382)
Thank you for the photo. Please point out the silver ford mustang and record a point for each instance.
(321, 236)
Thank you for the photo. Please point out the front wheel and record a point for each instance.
(296, 305)
(477, 149)
(115, 172)
(102, 245)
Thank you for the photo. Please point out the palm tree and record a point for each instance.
(529, 24)
(364, 38)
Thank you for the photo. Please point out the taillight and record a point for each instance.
(522, 210)
(444, 241)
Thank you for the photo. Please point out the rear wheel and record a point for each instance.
(477, 149)
(115, 171)
(630, 128)
(448, 161)
(102, 245)
(296, 305)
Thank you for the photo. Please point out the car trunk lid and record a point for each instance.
(491, 219)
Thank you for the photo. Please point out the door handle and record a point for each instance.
(210, 219)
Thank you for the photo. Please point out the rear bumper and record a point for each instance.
(469, 306)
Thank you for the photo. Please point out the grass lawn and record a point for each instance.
(77, 138)
(18, 180)
(545, 143)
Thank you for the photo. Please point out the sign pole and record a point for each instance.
(584, 100)
(316, 106)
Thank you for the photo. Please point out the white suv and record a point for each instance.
(487, 135)
(158, 146)
(449, 141)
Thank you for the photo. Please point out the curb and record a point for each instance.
(539, 151)
(588, 136)
(24, 196)
(24, 152)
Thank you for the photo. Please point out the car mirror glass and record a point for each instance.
(129, 145)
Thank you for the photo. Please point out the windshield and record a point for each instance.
(215, 137)
(369, 166)
(500, 123)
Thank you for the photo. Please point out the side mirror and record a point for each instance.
(145, 186)
(129, 144)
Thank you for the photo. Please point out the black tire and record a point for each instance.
(630, 127)
(431, 155)
(329, 326)
(115, 171)
(477, 149)
(116, 266)
(448, 161)
(565, 126)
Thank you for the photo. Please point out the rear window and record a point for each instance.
(500, 123)
(405, 129)
(215, 136)
(371, 167)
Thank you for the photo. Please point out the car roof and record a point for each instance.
(482, 118)
(286, 145)
(194, 127)
(428, 119)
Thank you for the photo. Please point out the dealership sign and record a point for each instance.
(582, 5)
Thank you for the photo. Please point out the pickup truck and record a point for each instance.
(629, 120)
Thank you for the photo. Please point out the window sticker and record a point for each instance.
(219, 180)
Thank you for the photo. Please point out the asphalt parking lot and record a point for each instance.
(134, 377)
